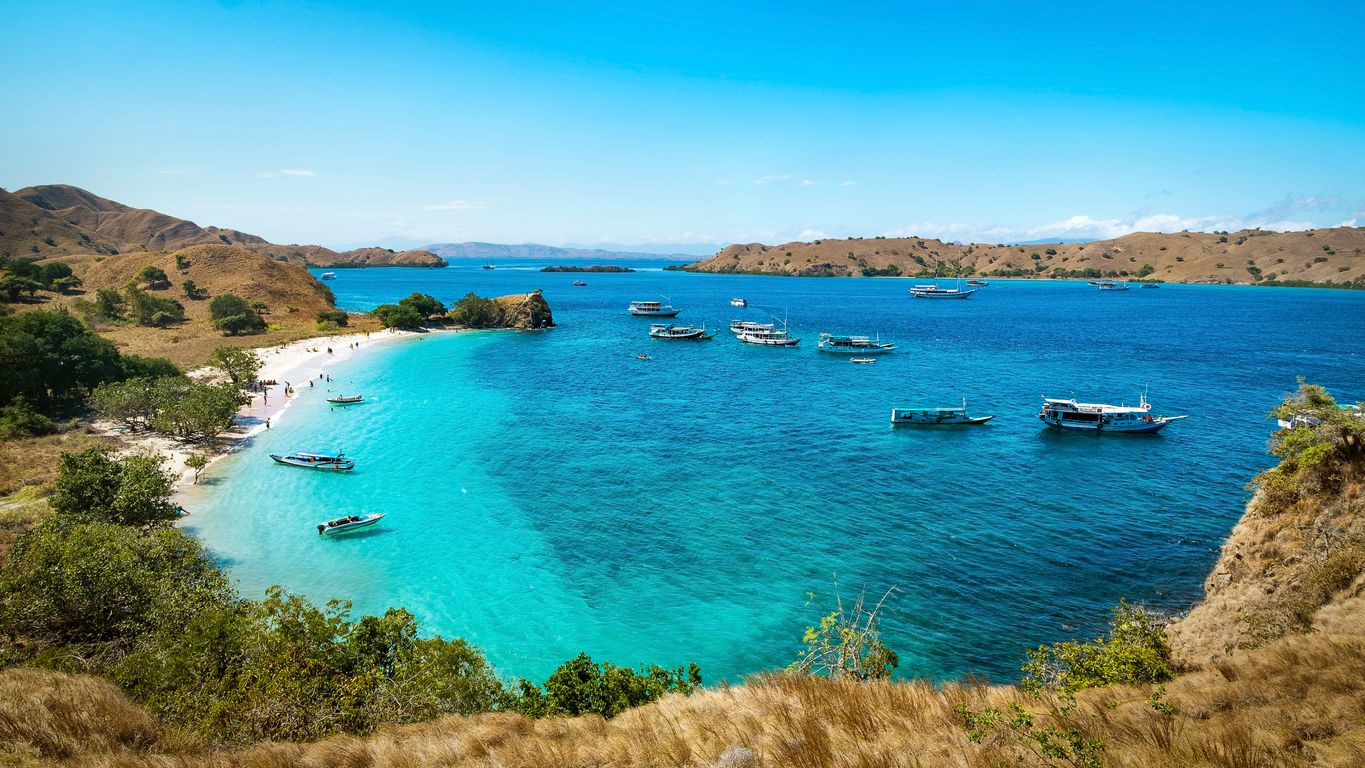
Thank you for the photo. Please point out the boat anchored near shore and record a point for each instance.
(1102, 417)
(346, 399)
(309, 460)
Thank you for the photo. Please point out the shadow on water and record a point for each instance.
(368, 533)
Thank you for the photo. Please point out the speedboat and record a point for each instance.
(678, 332)
(1102, 417)
(328, 275)
(579, 283)
(652, 309)
(346, 399)
(348, 523)
(862, 360)
(978, 283)
(853, 345)
(643, 356)
(335, 463)
(1109, 285)
(937, 417)
(738, 302)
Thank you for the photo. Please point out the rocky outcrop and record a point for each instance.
(525, 311)
(591, 268)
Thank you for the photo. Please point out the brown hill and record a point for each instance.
(1250, 256)
(100, 225)
(29, 231)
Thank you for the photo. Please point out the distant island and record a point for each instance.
(591, 268)
(477, 250)
(1331, 258)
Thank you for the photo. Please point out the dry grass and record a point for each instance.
(33, 461)
(1298, 702)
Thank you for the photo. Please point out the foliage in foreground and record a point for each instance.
(847, 643)
(1324, 447)
(580, 686)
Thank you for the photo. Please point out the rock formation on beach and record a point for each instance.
(525, 311)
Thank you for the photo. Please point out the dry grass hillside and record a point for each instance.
(29, 231)
(292, 297)
(95, 224)
(1298, 702)
(1250, 256)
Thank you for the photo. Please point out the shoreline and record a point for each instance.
(296, 362)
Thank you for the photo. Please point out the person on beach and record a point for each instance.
(267, 423)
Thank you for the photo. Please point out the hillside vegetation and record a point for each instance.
(1324, 256)
(79, 221)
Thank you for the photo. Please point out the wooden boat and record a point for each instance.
(978, 283)
(1151, 285)
(937, 417)
(348, 524)
(671, 331)
(1109, 285)
(346, 399)
(1102, 417)
(308, 460)
(862, 360)
(853, 345)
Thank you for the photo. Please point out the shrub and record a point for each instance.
(336, 317)
(153, 277)
(155, 311)
(580, 687)
(19, 419)
(232, 315)
(424, 305)
(109, 303)
(96, 484)
(1133, 653)
(476, 312)
(50, 357)
(192, 291)
(394, 316)
(240, 365)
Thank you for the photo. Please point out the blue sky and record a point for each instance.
(622, 123)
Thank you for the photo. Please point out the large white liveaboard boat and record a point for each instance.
(853, 345)
(937, 417)
(652, 309)
(768, 337)
(1110, 285)
(1102, 417)
(935, 291)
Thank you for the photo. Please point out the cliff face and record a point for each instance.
(525, 311)
(1250, 256)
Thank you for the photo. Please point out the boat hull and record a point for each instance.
(860, 351)
(1140, 428)
(964, 294)
(914, 418)
(653, 313)
(327, 529)
(331, 466)
(345, 401)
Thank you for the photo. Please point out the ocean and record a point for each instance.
(549, 493)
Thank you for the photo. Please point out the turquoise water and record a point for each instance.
(548, 493)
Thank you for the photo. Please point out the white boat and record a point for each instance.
(862, 360)
(346, 399)
(936, 292)
(738, 302)
(328, 275)
(1109, 285)
(652, 309)
(853, 345)
(643, 356)
(978, 283)
(1102, 417)
(740, 326)
(580, 283)
(769, 338)
(671, 331)
(937, 417)
(334, 462)
(348, 523)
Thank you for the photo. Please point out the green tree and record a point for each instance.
(240, 365)
(474, 311)
(581, 686)
(50, 357)
(197, 461)
(19, 419)
(424, 305)
(196, 412)
(96, 484)
(191, 290)
(12, 288)
(232, 315)
(153, 277)
(66, 285)
(109, 303)
(150, 367)
(1132, 653)
(394, 316)
(51, 272)
(135, 401)
(154, 311)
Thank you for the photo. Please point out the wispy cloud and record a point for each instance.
(457, 205)
(812, 183)
(774, 177)
(284, 172)
(848, 183)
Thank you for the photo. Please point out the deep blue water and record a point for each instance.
(548, 493)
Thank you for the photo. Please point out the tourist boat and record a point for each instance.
(652, 309)
(978, 283)
(678, 332)
(862, 360)
(768, 337)
(1151, 285)
(937, 417)
(328, 275)
(740, 326)
(348, 523)
(936, 292)
(335, 463)
(346, 399)
(853, 345)
(1102, 417)
(580, 283)
(738, 302)
(1109, 285)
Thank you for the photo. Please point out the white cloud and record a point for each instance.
(457, 205)
(397, 224)
(296, 172)
(811, 234)
(848, 183)
(773, 177)
(812, 183)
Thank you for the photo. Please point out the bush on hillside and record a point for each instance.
(232, 315)
(1134, 652)
(337, 317)
(19, 419)
(582, 687)
(424, 305)
(153, 277)
(51, 359)
(14, 288)
(474, 311)
(153, 311)
(395, 316)
(100, 486)
(1324, 448)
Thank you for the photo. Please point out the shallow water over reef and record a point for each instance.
(550, 493)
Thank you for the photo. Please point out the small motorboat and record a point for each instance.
(643, 356)
(334, 462)
(739, 302)
(978, 283)
(346, 399)
(328, 275)
(937, 417)
(1151, 285)
(862, 360)
(580, 283)
(348, 524)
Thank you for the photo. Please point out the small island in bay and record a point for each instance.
(590, 268)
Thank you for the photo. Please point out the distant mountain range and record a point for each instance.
(59, 219)
(477, 250)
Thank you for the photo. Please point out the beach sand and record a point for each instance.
(296, 363)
